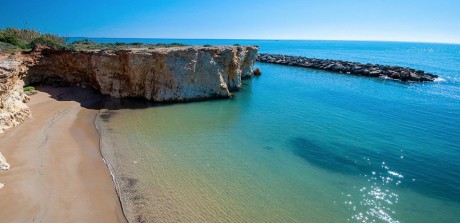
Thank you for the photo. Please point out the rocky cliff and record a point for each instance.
(162, 74)
(13, 109)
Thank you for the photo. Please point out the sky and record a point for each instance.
(383, 20)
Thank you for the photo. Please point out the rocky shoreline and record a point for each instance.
(173, 74)
(404, 74)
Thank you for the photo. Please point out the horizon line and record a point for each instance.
(281, 39)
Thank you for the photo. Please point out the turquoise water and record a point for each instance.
(298, 145)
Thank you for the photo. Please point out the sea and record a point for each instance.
(295, 144)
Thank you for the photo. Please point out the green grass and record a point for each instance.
(86, 44)
(29, 88)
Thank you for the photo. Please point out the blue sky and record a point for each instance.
(394, 20)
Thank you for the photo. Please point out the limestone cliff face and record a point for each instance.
(163, 74)
(166, 74)
(13, 109)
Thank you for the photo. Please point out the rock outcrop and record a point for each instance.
(13, 109)
(162, 74)
(354, 68)
(3, 164)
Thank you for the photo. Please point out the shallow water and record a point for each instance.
(298, 145)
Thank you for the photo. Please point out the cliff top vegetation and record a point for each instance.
(87, 44)
(14, 39)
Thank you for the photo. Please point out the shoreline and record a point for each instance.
(58, 173)
(109, 166)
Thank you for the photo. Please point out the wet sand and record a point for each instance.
(57, 173)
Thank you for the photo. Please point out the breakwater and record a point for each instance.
(404, 74)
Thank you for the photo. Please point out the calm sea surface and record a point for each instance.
(297, 145)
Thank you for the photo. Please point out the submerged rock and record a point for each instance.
(257, 72)
(354, 68)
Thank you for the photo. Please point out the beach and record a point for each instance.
(57, 172)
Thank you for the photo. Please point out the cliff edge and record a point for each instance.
(160, 74)
(185, 73)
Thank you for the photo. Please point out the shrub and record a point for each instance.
(49, 40)
(207, 45)
(177, 44)
(236, 44)
(29, 88)
(85, 42)
(12, 39)
(27, 38)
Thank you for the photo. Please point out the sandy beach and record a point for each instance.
(57, 173)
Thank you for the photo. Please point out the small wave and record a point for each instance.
(395, 174)
(439, 79)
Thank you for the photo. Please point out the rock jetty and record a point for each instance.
(404, 74)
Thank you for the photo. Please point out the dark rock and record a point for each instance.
(329, 67)
(375, 73)
(338, 66)
(257, 72)
(395, 76)
(366, 72)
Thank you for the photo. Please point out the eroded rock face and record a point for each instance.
(166, 74)
(13, 109)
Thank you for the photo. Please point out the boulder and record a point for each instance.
(257, 72)
(395, 76)
(366, 72)
(3, 164)
(375, 73)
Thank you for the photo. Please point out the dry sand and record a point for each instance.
(57, 173)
